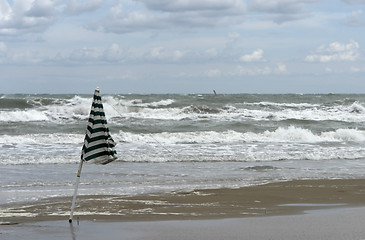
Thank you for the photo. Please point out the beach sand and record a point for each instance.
(333, 224)
(202, 214)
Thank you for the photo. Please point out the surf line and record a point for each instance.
(158, 142)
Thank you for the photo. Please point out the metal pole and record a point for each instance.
(75, 192)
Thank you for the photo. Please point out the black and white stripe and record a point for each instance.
(98, 144)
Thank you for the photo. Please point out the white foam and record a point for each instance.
(356, 107)
(289, 134)
(292, 105)
(23, 116)
(282, 143)
(42, 139)
(139, 103)
(345, 135)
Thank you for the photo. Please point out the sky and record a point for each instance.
(182, 46)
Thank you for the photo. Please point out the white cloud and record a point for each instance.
(213, 52)
(84, 55)
(341, 70)
(5, 11)
(280, 68)
(213, 72)
(255, 56)
(92, 55)
(157, 52)
(234, 35)
(177, 54)
(336, 52)
(355, 69)
(27, 57)
(113, 54)
(163, 54)
(242, 70)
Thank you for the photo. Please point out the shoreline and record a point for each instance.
(330, 224)
(273, 199)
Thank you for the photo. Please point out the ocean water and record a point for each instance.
(176, 142)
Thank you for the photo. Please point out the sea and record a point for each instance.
(178, 142)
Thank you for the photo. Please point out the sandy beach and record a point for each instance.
(303, 209)
(280, 198)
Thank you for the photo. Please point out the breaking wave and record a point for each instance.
(282, 143)
(77, 108)
(289, 134)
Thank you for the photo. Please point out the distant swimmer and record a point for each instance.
(214, 92)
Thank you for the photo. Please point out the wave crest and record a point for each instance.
(290, 134)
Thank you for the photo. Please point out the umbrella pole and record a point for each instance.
(75, 192)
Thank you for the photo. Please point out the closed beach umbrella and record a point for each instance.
(99, 146)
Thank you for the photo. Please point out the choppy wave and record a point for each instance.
(49, 129)
(77, 108)
(291, 143)
(49, 110)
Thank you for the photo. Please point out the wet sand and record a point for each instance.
(331, 224)
(274, 199)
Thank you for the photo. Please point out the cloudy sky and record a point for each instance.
(182, 46)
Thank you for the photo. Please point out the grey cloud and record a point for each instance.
(25, 17)
(193, 5)
(3, 51)
(179, 15)
(41, 9)
(355, 19)
(21, 17)
(85, 55)
(76, 7)
(113, 54)
(281, 11)
(120, 21)
(354, 1)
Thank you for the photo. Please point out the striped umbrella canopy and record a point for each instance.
(99, 146)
